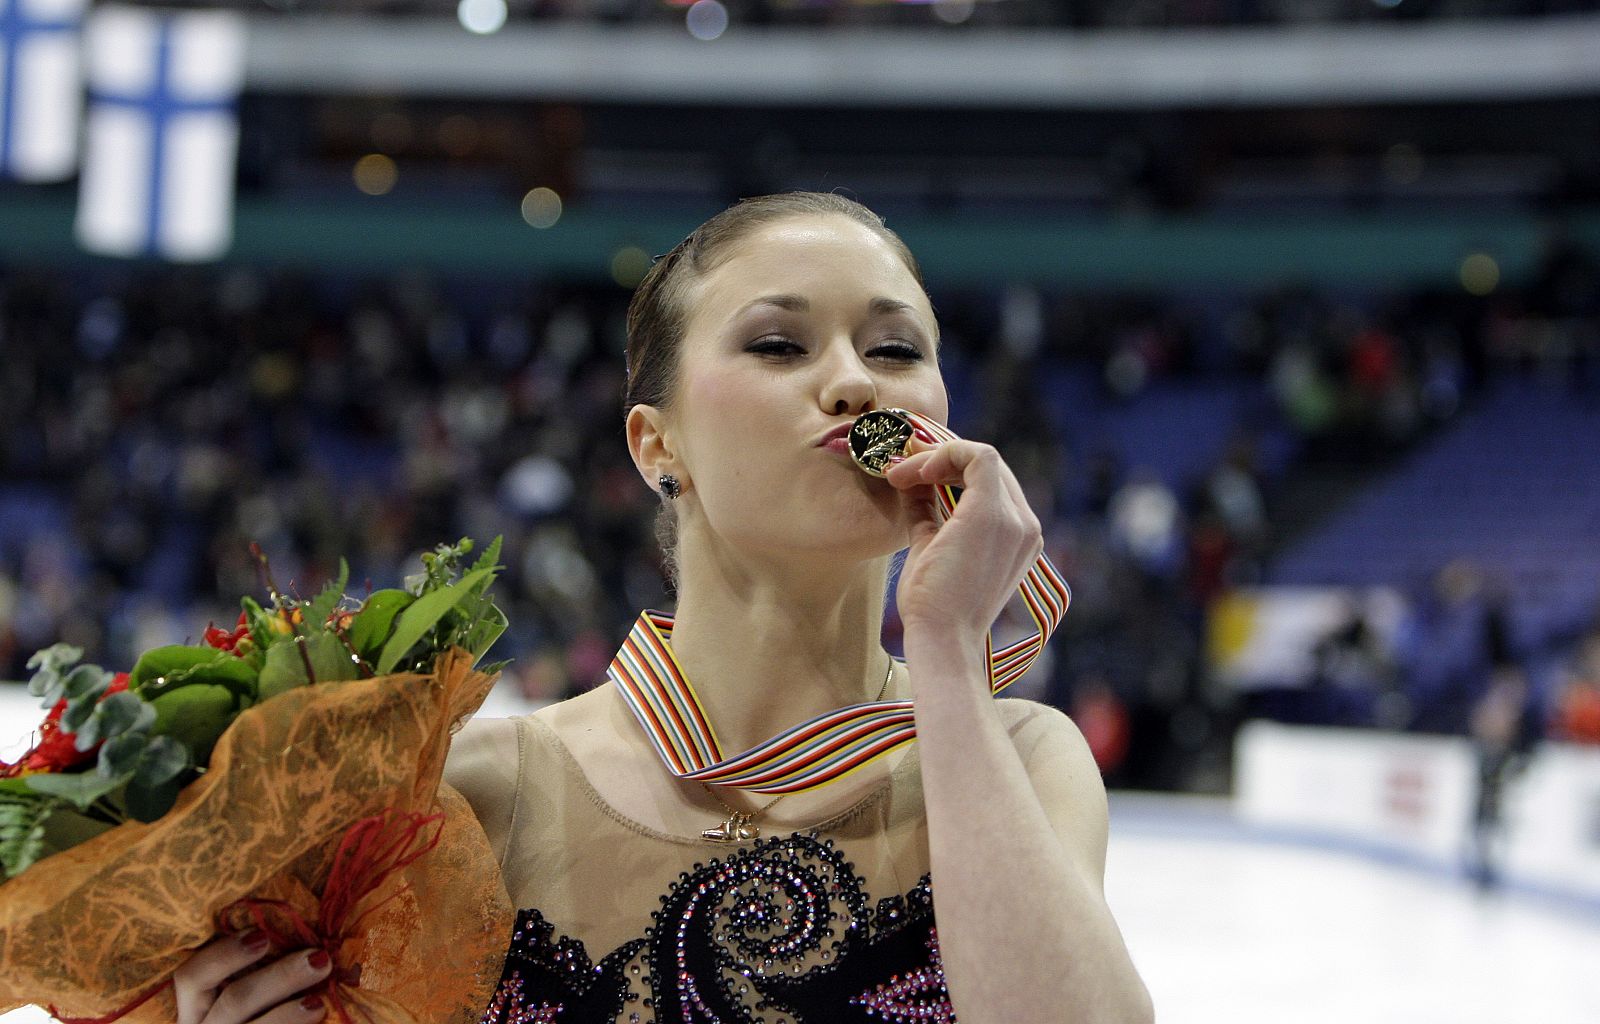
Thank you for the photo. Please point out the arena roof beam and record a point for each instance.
(1265, 66)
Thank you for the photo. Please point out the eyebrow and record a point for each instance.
(798, 304)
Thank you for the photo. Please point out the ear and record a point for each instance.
(650, 446)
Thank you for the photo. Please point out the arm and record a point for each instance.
(1017, 848)
(1017, 853)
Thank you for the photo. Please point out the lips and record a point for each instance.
(838, 434)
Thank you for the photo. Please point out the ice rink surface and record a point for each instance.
(1232, 927)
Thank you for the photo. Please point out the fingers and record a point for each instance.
(276, 984)
(979, 469)
(300, 1011)
(196, 982)
(206, 995)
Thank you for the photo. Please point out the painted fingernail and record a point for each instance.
(311, 1003)
(254, 940)
(318, 959)
(896, 459)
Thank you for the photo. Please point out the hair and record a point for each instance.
(658, 313)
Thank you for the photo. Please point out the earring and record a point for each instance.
(669, 485)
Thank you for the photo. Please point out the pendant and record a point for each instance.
(878, 436)
(737, 829)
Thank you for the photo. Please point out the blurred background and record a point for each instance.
(1283, 311)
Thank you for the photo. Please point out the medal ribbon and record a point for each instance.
(831, 745)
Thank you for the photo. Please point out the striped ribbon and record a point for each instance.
(829, 746)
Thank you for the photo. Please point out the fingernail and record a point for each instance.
(254, 940)
(311, 1003)
(318, 959)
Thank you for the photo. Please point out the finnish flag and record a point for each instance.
(41, 91)
(162, 135)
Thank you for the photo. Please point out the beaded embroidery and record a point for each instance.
(780, 932)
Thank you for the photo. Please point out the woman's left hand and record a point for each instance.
(959, 575)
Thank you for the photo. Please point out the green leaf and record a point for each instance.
(86, 681)
(286, 668)
(317, 612)
(113, 716)
(149, 802)
(67, 827)
(196, 716)
(490, 556)
(173, 671)
(55, 657)
(120, 756)
(81, 789)
(22, 830)
(371, 626)
(486, 629)
(423, 615)
(164, 759)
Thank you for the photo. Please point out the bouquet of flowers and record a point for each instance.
(284, 775)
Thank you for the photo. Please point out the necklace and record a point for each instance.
(740, 826)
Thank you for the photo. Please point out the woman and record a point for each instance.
(751, 346)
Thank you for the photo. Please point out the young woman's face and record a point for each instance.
(808, 323)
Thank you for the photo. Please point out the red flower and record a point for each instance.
(223, 640)
(55, 751)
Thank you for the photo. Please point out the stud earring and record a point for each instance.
(669, 485)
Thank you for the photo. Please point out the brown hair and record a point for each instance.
(657, 314)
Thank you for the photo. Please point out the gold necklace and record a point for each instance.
(740, 826)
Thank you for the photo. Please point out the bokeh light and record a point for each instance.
(376, 174)
(706, 19)
(482, 17)
(541, 207)
(1480, 274)
(629, 264)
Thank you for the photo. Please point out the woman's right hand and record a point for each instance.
(214, 986)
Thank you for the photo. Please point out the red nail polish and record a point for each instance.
(311, 1003)
(896, 459)
(318, 960)
(254, 941)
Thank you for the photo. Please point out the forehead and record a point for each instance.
(823, 258)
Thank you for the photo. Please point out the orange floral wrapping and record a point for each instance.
(92, 928)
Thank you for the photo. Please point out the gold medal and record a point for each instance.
(878, 436)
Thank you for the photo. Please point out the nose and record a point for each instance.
(848, 387)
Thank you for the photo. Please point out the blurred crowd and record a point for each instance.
(1068, 13)
(159, 421)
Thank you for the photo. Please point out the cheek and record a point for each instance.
(733, 423)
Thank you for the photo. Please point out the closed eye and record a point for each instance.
(774, 346)
(898, 350)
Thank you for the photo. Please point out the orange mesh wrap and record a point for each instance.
(92, 928)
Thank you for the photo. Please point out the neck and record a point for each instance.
(767, 647)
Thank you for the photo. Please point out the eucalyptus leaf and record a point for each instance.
(86, 681)
(55, 657)
(423, 615)
(77, 713)
(120, 756)
(163, 760)
(113, 716)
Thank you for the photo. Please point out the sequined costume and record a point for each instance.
(623, 923)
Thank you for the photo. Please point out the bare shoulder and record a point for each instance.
(1042, 730)
(1064, 775)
